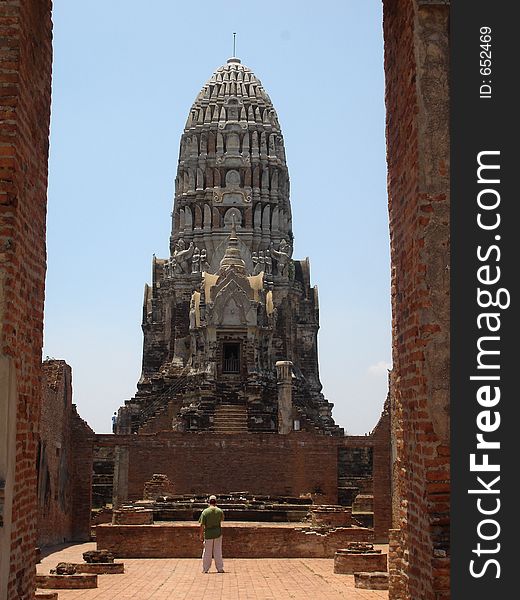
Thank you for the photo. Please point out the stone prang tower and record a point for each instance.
(230, 321)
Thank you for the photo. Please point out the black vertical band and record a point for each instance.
(485, 270)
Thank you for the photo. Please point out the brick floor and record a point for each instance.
(244, 579)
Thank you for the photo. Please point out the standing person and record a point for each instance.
(114, 422)
(211, 535)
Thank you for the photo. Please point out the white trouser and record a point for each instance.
(212, 548)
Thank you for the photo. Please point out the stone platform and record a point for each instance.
(66, 582)
(100, 568)
(238, 506)
(182, 579)
(375, 580)
(353, 563)
(241, 540)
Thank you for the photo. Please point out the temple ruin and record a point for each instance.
(230, 320)
(416, 60)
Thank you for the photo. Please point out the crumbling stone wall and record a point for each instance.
(65, 456)
(82, 459)
(417, 103)
(381, 476)
(293, 464)
(262, 464)
(54, 455)
(25, 77)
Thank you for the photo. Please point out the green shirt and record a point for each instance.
(211, 518)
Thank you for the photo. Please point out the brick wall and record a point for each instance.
(381, 475)
(417, 103)
(294, 464)
(54, 455)
(82, 452)
(25, 76)
(259, 463)
(65, 460)
(245, 540)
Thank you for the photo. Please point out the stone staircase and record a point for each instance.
(230, 418)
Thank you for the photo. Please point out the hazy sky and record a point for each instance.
(125, 75)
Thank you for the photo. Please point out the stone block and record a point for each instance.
(331, 516)
(67, 582)
(375, 580)
(64, 568)
(98, 556)
(158, 486)
(138, 516)
(363, 503)
(110, 568)
(348, 562)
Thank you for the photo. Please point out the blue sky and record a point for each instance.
(124, 77)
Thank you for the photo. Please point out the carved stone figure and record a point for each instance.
(195, 261)
(254, 260)
(261, 261)
(193, 320)
(282, 256)
(204, 264)
(181, 256)
(268, 264)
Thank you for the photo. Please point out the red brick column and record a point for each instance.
(417, 103)
(381, 476)
(25, 77)
(82, 438)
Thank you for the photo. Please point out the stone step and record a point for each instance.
(230, 418)
(229, 428)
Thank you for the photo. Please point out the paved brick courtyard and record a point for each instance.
(245, 579)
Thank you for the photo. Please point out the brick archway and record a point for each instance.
(416, 65)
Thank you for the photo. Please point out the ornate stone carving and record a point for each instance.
(181, 256)
(230, 234)
(195, 261)
(204, 264)
(282, 256)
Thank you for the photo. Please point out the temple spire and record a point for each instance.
(232, 256)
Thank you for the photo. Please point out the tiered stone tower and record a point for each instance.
(230, 321)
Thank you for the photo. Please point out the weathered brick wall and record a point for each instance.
(25, 76)
(259, 463)
(298, 463)
(417, 96)
(245, 540)
(82, 453)
(54, 455)
(381, 475)
(65, 460)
